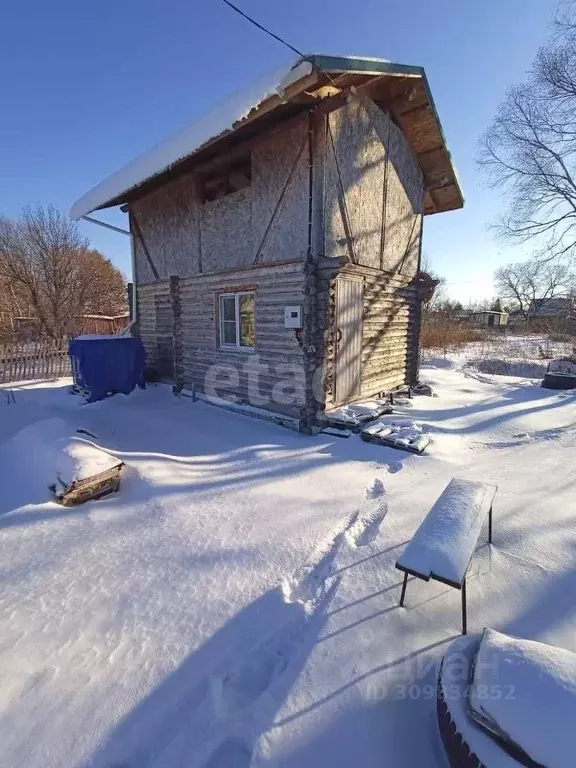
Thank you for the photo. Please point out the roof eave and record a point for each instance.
(333, 65)
(320, 65)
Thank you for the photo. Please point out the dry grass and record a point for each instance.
(447, 336)
(515, 353)
(556, 329)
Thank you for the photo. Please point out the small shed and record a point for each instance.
(277, 240)
(489, 319)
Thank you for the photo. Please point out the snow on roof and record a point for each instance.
(184, 143)
(489, 312)
(98, 337)
(227, 117)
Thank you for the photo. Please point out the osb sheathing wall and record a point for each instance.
(186, 237)
(374, 194)
(374, 190)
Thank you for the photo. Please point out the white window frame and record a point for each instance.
(236, 296)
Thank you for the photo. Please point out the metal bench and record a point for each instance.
(442, 547)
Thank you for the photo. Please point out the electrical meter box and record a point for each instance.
(293, 316)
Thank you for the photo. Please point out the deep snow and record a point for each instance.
(237, 603)
(543, 678)
(54, 454)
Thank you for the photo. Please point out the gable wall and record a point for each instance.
(373, 203)
(374, 190)
(186, 237)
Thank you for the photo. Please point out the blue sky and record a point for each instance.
(87, 86)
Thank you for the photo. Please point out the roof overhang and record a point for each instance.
(401, 89)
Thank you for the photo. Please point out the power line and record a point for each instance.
(256, 24)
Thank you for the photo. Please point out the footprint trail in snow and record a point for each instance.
(359, 529)
(237, 693)
(307, 583)
(366, 526)
(232, 753)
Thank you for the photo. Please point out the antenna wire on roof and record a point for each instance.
(256, 24)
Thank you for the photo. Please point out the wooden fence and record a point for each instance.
(29, 360)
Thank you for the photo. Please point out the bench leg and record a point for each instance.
(490, 525)
(403, 589)
(464, 616)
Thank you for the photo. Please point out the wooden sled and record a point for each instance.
(91, 488)
(84, 472)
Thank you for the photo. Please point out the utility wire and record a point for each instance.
(256, 24)
(276, 37)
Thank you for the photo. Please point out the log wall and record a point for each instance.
(272, 378)
(155, 320)
(391, 320)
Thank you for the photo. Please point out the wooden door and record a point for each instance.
(348, 329)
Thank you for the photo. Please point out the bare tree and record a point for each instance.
(531, 284)
(530, 149)
(47, 263)
(439, 291)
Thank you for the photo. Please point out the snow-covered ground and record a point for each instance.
(506, 354)
(237, 603)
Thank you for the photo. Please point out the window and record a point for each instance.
(237, 320)
(226, 180)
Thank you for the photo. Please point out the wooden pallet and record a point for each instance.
(383, 435)
(331, 420)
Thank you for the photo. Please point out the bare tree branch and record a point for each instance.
(529, 151)
(531, 284)
(45, 261)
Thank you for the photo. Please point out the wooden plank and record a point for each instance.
(421, 129)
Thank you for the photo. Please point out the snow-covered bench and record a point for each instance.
(445, 541)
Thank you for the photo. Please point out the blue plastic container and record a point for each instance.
(103, 365)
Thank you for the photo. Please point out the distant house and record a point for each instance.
(488, 319)
(285, 229)
(556, 307)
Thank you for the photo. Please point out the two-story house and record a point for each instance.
(277, 240)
